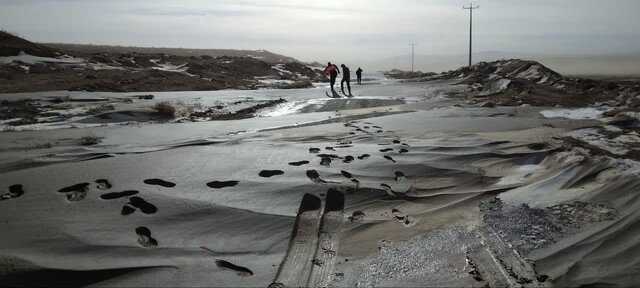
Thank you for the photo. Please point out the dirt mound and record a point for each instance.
(496, 77)
(11, 45)
(517, 82)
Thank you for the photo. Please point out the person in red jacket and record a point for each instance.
(332, 71)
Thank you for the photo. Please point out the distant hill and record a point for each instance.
(84, 50)
(26, 66)
(11, 45)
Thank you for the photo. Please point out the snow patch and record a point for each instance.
(280, 68)
(580, 113)
(275, 81)
(30, 59)
(168, 67)
(102, 66)
(496, 86)
(532, 73)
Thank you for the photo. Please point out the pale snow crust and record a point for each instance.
(579, 113)
(30, 59)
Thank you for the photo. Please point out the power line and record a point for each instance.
(412, 45)
(470, 8)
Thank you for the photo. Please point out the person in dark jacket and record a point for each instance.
(359, 75)
(346, 77)
(332, 71)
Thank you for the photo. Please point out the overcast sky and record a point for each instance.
(320, 30)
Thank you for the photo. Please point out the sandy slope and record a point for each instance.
(412, 175)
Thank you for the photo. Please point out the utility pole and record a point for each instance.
(470, 8)
(412, 45)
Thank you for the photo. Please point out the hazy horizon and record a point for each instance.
(344, 32)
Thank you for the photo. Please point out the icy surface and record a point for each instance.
(579, 113)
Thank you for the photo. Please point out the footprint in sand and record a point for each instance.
(363, 156)
(406, 220)
(144, 237)
(328, 155)
(15, 191)
(76, 187)
(400, 176)
(386, 149)
(270, 173)
(388, 189)
(389, 158)
(222, 184)
(299, 163)
(315, 177)
(348, 159)
(329, 148)
(396, 141)
(139, 203)
(103, 184)
(240, 271)
(116, 195)
(352, 133)
(127, 210)
(325, 161)
(159, 182)
(76, 192)
(346, 174)
(403, 151)
(379, 131)
(356, 182)
(314, 150)
(357, 216)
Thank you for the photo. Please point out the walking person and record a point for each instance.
(346, 77)
(359, 75)
(332, 71)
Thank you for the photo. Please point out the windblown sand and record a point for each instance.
(432, 195)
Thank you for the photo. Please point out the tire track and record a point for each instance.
(296, 266)
(327, 250)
